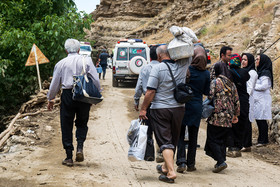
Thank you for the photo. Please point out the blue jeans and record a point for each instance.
(104, 71)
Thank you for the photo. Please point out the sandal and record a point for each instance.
(159, 170)
(164, 178)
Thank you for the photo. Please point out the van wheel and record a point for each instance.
(115, 82)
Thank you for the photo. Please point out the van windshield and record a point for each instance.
(137, 52)
(85, 48)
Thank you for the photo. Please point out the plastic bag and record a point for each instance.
(207, 108)
(182, 45)
(133, 131)
(137, 139)
(186, 138)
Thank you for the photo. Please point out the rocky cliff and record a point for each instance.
(246, 25)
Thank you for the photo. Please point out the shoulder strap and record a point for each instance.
(171, 74)
(84, 70)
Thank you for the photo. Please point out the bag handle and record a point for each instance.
(84, 70)
(173, 79)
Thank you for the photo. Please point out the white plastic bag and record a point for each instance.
(137, 139)
(182, 45)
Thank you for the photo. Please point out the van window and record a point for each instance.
(137, 52)
(122, 54)
(85, 48)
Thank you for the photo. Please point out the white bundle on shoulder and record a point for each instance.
(182, 45)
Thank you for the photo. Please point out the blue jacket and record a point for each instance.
(200, 84)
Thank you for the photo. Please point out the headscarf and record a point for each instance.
(265, 68)
(199, 60)
(222, 69)
(251, 61)
(235, 61)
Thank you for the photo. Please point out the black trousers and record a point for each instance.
(192, 145)
(68, 110)
(215, 146)
(236, 136)
(247, 139)
(263, 131)
(150, 149)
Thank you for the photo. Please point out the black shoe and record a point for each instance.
(219, 168)
(68, 162)
(79, 155)
(159, 170)
(181, 168)
(191, 168)
(164, 178)
(149, 158)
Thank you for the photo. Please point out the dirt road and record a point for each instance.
(106, 162)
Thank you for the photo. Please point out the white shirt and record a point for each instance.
(66, 68)
(262, 99)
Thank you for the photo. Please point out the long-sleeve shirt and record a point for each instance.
(141, 87)
(262, 99)
(226, 102)
(66, 68)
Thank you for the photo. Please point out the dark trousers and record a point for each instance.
(104, 71)
(192, 145)
(215, 146)
(236, 136)
(68, 110)
(166, 123)
(247, 139)
(150, 149)
(263, 131)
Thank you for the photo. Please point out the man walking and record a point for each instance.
(63, 78)
(103, 62)
(141, 88)
(166, 113)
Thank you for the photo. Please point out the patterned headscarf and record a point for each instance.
(222, 69)
(235, 61)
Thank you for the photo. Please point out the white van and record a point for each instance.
(129, 57)
(85, 49)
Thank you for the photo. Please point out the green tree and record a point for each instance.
(47, 23)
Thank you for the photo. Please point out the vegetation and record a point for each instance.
(47, 23)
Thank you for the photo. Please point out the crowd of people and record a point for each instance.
(238, 86)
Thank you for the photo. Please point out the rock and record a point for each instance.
(277, 118)
(20, 140)
(265, 28)
(239, 6)
(48, 128)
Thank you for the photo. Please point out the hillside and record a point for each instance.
(246, 25)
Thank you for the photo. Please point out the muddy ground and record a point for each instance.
(36, 161)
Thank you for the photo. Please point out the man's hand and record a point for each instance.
(50, 105)
(235, 119)
(142, 114)
(136, 107)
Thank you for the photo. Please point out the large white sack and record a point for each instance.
(182, 45)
